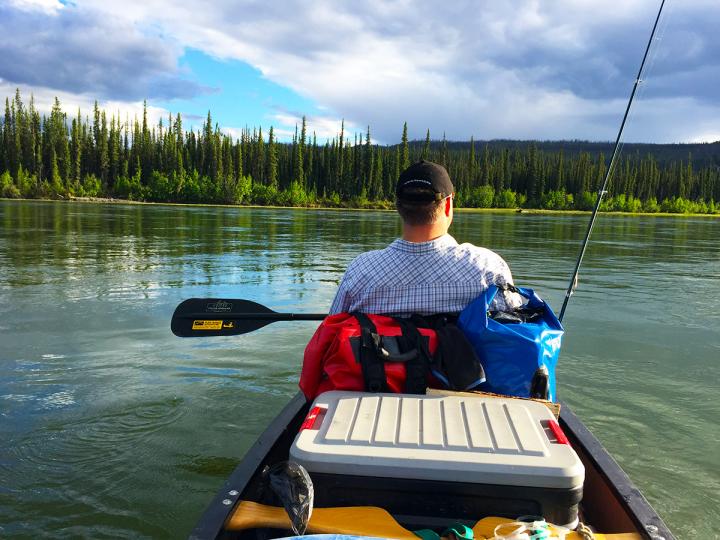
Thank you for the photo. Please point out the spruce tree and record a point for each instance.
(397, 164)
(486, 173)
(8, 159)
(426, 148)
(405, 156)
(104, 152)
(378, 176)
(259, 155)
(19, 122)
(27, 137)
(444, 155)
(272, 161)
(16, 145)
(559, 180)
(472, 164)
(372, 182)
(298, 173)
(303, 135)
(340, 155)
(206, 166)
(309, 164)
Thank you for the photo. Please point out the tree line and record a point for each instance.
(58, 156)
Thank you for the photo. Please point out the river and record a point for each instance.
(111, 427)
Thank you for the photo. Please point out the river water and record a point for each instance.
(111, 427)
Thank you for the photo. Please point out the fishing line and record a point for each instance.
(648, 71)
(611, 166)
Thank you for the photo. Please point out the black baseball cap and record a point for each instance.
(424, 182)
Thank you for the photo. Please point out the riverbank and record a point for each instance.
(532, 211)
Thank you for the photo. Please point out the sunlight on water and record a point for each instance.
(110, 427)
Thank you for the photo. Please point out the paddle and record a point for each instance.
(198, 317)
(358, 520)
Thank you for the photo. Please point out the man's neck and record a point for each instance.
(423, 233)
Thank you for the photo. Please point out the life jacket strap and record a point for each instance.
(416, 369)
(373, 355)
(373, 367)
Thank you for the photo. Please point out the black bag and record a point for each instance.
(455, 363)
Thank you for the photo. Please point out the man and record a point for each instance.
(426, 271)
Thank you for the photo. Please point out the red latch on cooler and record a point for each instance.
(558, 432)
(314, 418)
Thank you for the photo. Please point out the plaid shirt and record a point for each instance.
(439, 276)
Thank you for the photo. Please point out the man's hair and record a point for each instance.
(414, 213)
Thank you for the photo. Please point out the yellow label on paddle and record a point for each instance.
(207, 325)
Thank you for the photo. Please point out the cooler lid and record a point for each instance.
(452, 438)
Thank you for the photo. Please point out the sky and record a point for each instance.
(510, 69)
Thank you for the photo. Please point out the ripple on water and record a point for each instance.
(216, 466)
(96, 447)
(58, 400)
(73, 471)
(651, 433)
(19, 397)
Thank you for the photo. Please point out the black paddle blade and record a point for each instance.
(205, 317)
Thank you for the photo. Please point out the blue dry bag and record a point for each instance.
(515, 355)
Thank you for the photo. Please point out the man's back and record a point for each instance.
(426, 271)
(437, 276)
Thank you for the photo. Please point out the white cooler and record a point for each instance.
(469, 454)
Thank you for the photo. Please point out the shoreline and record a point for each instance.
(529, 211)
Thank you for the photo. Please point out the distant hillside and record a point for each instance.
(703, 154)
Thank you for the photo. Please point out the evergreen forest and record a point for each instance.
(61, 156)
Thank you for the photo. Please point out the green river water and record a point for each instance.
(111, 427)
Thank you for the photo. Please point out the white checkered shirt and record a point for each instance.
(439, 276)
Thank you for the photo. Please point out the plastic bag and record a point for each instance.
(292, 487)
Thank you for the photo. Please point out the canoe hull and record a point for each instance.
(611, 502)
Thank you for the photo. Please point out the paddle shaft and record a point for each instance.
(254, 316)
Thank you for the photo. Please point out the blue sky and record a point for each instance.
(516, 69)
(237, 95)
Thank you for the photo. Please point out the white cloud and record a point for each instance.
(82, 50)
(70, 103)
(514, 69)
(678, 119)
(49, 7)
(234, 132)
(284, 124)
(324, 127)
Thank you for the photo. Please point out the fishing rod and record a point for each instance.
(602, 191)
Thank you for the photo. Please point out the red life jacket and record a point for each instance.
(347, 355)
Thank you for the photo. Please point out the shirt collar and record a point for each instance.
(423, 247)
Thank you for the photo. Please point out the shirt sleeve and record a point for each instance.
(504, 300)
(341, 303)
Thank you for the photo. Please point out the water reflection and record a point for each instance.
(103, 412)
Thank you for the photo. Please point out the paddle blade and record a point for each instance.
(205, 317)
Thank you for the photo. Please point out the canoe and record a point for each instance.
(611, 504)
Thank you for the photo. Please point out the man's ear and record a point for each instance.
(448, 206)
